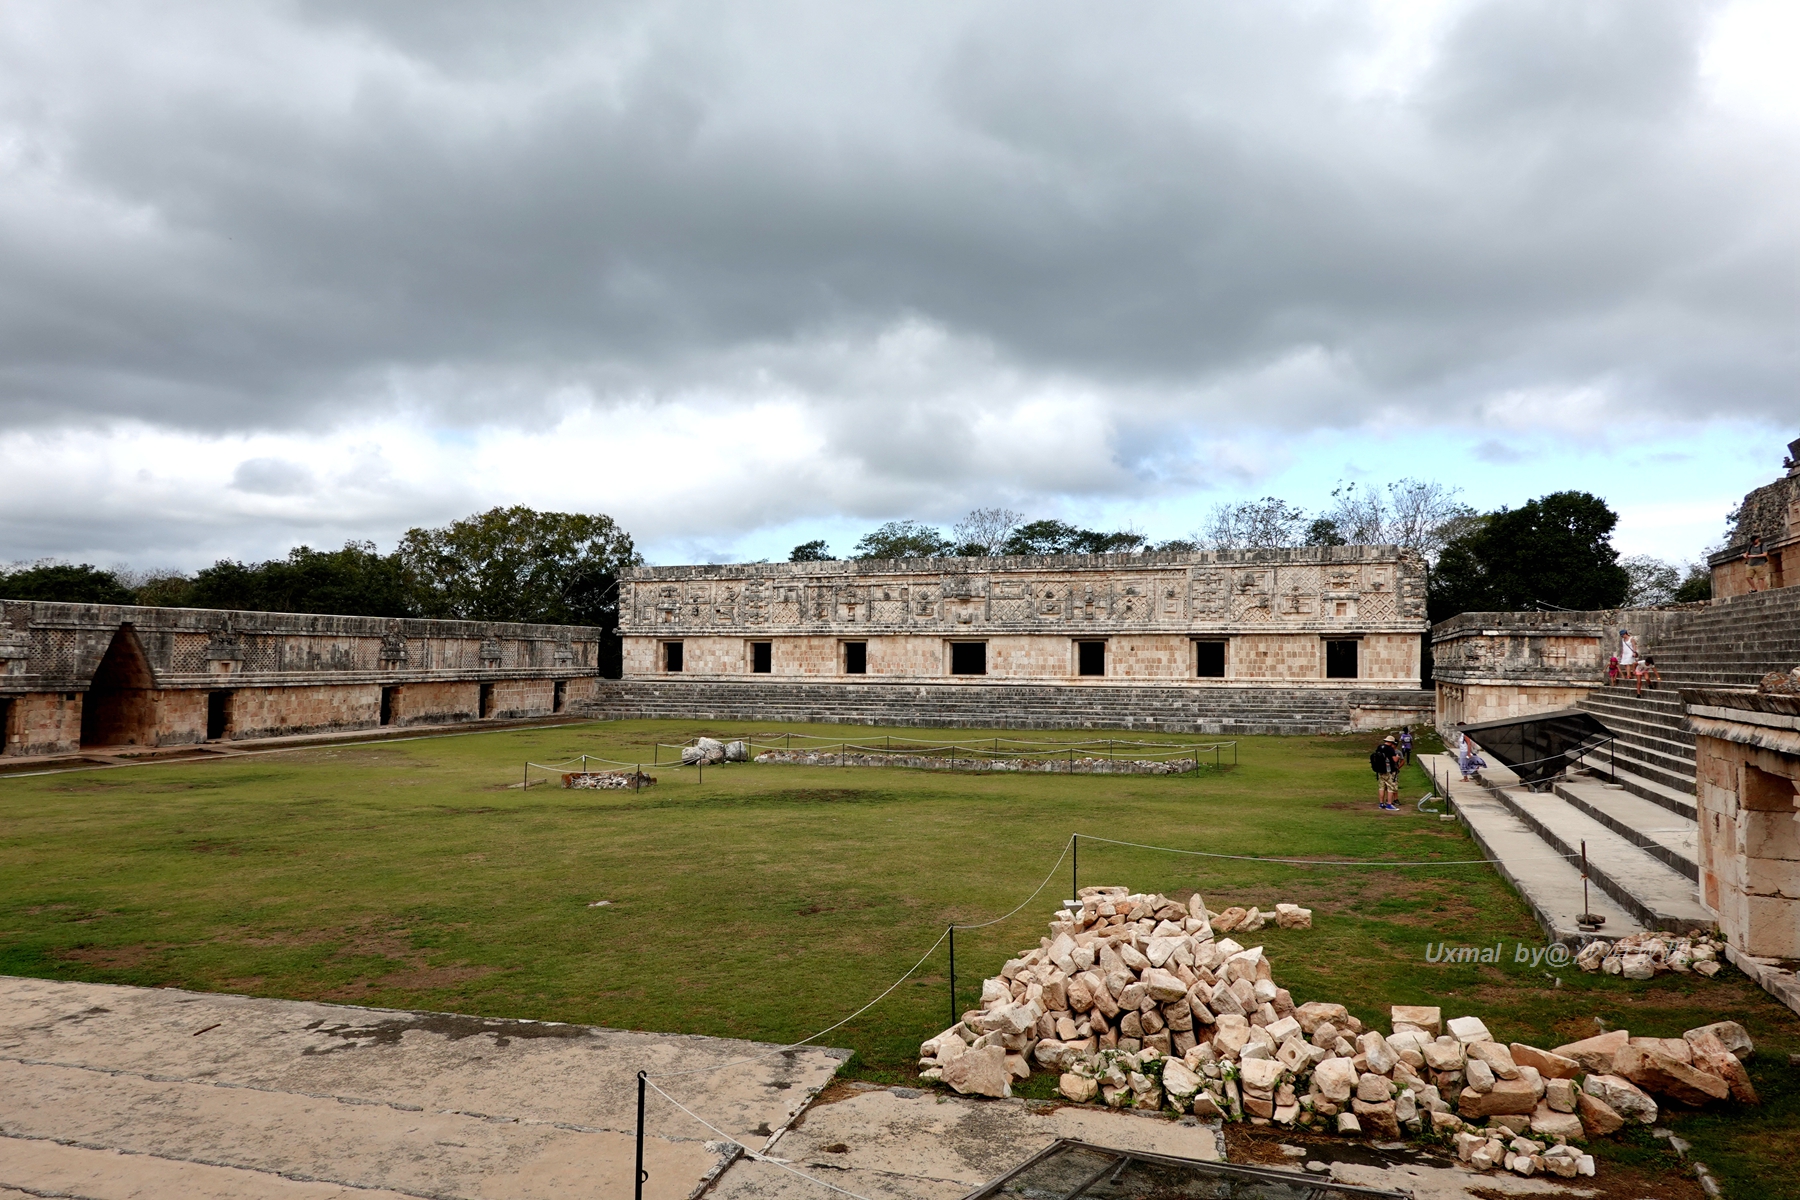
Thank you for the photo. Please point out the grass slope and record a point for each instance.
(769, 901)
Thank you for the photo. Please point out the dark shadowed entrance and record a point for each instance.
(120, 706)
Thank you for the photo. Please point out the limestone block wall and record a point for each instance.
(42, 722)
(1472, 703)
(1274, 609)
(1771, 512)
(1747, 795)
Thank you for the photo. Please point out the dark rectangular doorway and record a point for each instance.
(1209, 660)
(856, 658)
(762, 658)
(218, 715)
(1340, 660)
(486, 704)
(560, 696)
(968, 658)
(6, 734)
(672, 657)
(388, 696)
(1090, 658)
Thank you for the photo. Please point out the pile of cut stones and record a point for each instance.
(605, 781)
(710, 751)
(1139, 1003)
(1643, 955)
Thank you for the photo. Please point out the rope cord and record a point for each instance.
(803, 1041)
(1034, 895)
(748, 1152)
(1320, 862)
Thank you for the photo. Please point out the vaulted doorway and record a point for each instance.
(120, 706)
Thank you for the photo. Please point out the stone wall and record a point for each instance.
(125, 675)
(1748, 802)
(1771, 512)
(1274, 610)
(1489, 666)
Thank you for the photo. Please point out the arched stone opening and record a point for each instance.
(120, 706)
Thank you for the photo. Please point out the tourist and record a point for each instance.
(1612, 670)
(1406, 741)
(1647, 670)
(1756, 565)
(1628, 653)
(1385, 762)
(1466, 756)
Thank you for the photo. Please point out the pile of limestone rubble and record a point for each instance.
(1137, 1002)
(1642, 955)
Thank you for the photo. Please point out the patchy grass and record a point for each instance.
(769, 901)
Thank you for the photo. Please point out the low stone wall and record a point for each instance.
(1185, 709)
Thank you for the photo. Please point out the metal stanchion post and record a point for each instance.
(953, 1016)
(1075, 866)
(639, 1176)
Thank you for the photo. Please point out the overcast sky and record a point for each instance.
(743, 275)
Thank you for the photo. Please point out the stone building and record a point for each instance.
(89, 675)
(1748, 800)
(1313, 638)
(1771, 512)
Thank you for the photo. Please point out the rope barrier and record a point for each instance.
(753, 1155)
(1033, 896)
(1321, 862)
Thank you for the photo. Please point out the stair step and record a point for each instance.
(1657, 895)
(1671, 838)
(1544, 877)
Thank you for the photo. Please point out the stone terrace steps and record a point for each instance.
(1651, 827)
(1220, 710)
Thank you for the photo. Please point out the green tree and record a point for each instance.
(354, 581)
(1060, 537)
(1324, 532)
(517, 564)
(902, 539)
(72, 583)
(813, 551)
(1555, 551)
(1697, 585)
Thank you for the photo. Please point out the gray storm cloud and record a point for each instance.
(285, 216)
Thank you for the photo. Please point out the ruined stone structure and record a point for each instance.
(1321, 638)
(1749, 815)
(75, 675)
(1771, 512)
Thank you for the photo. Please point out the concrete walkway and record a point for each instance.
(118, 1093)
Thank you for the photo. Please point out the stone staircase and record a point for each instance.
(1633, 804)
(1206, 710)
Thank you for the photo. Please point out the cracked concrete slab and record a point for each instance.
(148, 1093)
(906, 1144)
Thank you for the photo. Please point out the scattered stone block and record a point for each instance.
(1507, 1096)
(1595, 1055)
(1548, 1064)
(1469, 1029)
(1622, 1096)
(980, 1072)
(1550, 1123)
(1730, 1034)
(1423, 1017)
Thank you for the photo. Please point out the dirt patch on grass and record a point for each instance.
(431, 979)
(115, 958)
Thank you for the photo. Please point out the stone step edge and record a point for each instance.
(1605, 880)
(1642, 841)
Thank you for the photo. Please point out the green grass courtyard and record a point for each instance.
(770, 901)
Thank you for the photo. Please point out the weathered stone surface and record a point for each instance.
(1507, 1096)
(1335, 1079)
(1374, 1089)
(1550, 1123)
(1314, 1013)
(979, 1073)
(1262, 1073)
(1727, 1067)
(1426, 1017)
(1347, 1123)
(1733, 1036)
(1662, 1075)
(1496, 1056)
(1479, 1075)
(1444, 1054)
(1078, 1088)
(1549, 1065)
(1596, 1054)
(1622, 1096)
(1207, 1105)
(1597, 1116)
(1377, 1053)
(1468, 1029)
(1163, 987)
(1377, 1120)
(1559, 1094)
(1292, 916)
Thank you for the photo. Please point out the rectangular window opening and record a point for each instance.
(762, 657)
(856, 658)
(1209, 660)
(1090, 658)
(389, 697)
(560, 696)
(672, 656)
(1340, 660)
(218, 715)
(968, 658)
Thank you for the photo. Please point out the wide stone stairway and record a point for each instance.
(1633, 803)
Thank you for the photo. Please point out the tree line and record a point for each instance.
(1554, 552)
(506, 564)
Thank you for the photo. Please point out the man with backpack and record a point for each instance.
(1385, 762)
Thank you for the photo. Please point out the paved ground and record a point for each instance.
(131, 1094)
(113, 1093)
